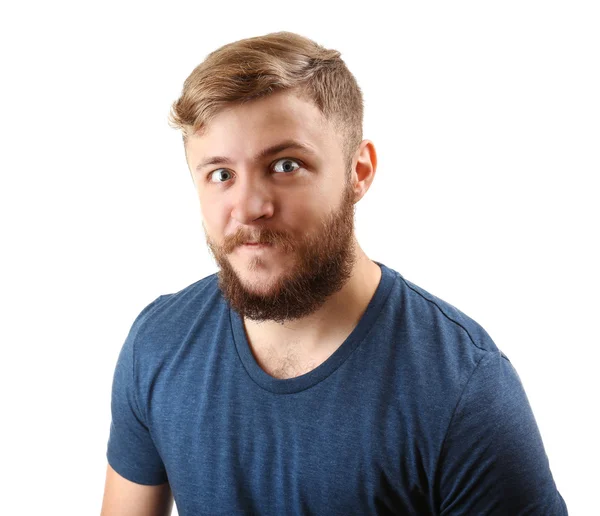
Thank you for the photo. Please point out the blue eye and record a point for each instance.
(286, 166)
(220, 171)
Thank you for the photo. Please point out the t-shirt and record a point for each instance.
(417, 412)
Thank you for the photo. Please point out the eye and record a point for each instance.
(287, 165)
(218, 173)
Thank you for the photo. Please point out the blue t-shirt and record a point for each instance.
(417, 412)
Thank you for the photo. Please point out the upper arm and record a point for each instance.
(131, 449)
(125, 498)
(494, 461)
(136, 478)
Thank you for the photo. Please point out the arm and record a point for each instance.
(136, 478)
(125, 498)
(493, 460)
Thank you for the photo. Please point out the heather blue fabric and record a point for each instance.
(417, 412)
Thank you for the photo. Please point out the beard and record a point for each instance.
(323, 262)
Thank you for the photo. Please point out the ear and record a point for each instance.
(364, 166)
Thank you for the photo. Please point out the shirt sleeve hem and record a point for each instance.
(134, 475)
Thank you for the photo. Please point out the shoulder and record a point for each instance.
(434, 345)
(429, 313)
(189, 299)
(170, 316)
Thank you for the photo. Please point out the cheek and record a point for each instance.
(214, 219)
(303, 213)
(210, 209)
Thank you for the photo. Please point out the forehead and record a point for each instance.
(241, 131)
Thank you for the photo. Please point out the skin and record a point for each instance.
(302, 295)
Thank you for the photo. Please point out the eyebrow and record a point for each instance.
(269, 151)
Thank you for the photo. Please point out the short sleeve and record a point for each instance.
(493, 460)
(130, 450)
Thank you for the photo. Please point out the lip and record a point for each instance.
(257, 248)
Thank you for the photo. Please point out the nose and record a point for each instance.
(252, 201)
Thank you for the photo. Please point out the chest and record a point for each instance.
(238, 450)
(290, 359)
(286, 362)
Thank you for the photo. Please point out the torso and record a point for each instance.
(285, 362)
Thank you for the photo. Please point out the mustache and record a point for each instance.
(264, 236)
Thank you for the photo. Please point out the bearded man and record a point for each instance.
(304, 377)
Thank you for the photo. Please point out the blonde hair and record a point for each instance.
(256, 67)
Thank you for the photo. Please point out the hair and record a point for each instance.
(256, 67)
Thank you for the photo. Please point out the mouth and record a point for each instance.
(256, 246)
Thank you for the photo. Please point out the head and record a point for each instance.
(272, 130)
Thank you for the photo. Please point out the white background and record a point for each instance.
(486, 119)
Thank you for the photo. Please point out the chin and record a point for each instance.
(260, 289)
(259, 279)
(247, 270)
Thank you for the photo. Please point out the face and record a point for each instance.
(272, 171)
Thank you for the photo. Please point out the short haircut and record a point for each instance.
(252, 68)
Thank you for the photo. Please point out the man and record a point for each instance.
(305, 378)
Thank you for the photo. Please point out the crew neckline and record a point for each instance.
(305, 381)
